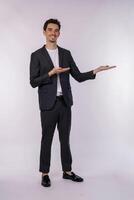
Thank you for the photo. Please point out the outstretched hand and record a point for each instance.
(58, 70)
(102, 68)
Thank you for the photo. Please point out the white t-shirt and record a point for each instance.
(55, 59)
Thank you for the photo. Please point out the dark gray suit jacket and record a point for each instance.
(41, 64)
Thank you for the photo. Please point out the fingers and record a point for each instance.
(111, 67)
(107, 67)
(65, 69)
(61, 69)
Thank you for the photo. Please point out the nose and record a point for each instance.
(53, 33)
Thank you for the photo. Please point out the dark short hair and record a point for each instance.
(53, 21)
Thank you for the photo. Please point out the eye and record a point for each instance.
(56, 31)
(49, 29)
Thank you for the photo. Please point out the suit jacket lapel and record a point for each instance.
(60, 53)
(46, 55)
(60, 56)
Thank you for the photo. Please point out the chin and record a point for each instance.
(52, 41)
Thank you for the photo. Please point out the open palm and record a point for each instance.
(102, 68)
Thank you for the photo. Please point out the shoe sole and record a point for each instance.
(73, 180)
(45, 185)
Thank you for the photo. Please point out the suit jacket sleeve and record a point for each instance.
(76, 74)
(35, 78)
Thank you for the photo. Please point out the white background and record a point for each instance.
(97, 33)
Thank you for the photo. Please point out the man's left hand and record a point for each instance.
(102, 68)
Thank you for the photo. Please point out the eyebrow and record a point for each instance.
(52, 28)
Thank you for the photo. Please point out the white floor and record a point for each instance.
(100, 187)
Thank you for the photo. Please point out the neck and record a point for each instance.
(50, 45)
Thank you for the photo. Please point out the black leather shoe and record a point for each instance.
(72, 177)
(46, 181)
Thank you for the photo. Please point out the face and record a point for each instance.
(52, 33)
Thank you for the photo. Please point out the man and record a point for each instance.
(50, 68)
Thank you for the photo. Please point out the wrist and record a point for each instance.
(95, 71)
(51, 73)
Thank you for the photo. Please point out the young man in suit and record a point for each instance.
(50, 68)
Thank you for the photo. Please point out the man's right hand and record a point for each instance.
(58, 70)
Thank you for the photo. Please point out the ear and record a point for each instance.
(59, 34)
(44, 32)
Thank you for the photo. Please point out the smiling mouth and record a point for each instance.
(52, 37)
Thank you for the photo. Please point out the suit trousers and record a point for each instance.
(59, 115)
